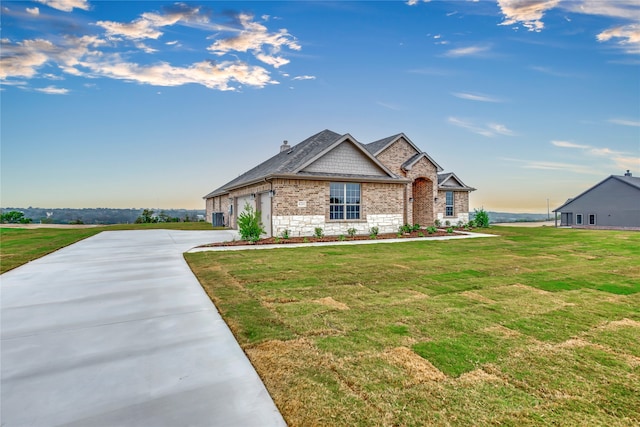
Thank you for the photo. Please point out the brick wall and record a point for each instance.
(395, 155)
(460, 207)
(381, 206)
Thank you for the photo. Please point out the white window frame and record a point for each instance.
(447, 205)
(579, 219)
(346, 203)
(594, 219)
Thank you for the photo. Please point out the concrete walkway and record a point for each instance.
(116, 331)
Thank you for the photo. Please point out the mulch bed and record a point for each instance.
(281, 241)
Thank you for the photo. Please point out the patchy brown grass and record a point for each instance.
(536, 327)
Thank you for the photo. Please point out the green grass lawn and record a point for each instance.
(537, 326)
(21, 245)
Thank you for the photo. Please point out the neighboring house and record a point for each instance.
(612, 203)
(334, 182)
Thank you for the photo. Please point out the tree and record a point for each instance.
(146, 217)
(14, 217)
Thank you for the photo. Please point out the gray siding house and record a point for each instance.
(612, 203)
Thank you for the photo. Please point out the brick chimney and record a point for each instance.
(285, 146)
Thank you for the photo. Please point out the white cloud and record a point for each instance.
(66, 5)
(304, 77)
(255, 38)
(147, 26)
(33, 11)
(52, 90)
(488, 130)
(627, 163)
(527, 12)
(628, 35)
(565, 167)
(143, 47)
(567, 144)
(625, 122)
(24, 58)
(220, 76)
(467, 51)
(415, 2)
(475, 97)
(552, 72)
(620, 159)
(500, 129)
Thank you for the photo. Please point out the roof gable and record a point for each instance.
(625, 180)
(346, 157)
(450, 181)
(380, 145)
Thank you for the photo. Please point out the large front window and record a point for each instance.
(344, 200)
(449, 204)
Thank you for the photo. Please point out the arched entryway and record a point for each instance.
(423, 201)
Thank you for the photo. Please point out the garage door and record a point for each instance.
(241, 203)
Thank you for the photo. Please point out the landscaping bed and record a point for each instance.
(340, 238)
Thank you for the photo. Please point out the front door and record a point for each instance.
(265, 211)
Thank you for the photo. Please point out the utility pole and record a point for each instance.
(548, 212)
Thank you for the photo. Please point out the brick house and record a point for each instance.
(335, 182)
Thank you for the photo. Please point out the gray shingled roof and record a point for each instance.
(631, 180)
(284, 162)
(376, 146)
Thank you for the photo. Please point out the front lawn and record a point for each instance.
(537, 326)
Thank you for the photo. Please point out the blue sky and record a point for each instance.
(154, 104)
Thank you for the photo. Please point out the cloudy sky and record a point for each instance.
(154, 104)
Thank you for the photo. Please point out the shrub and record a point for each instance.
(437, 223)
(461, 224)
(420, 234)
(285, 234)
(449, 230)
(352, 232)
(431, 230)
(318, 232)
(405, 228)
(481, 218)
(342, 238)
(249, 224)
(471, 224)
(373, 232)
(447, 223)
(415, 227)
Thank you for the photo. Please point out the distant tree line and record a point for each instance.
(97, 215)
(148, 216)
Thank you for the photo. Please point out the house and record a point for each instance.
(334, 182)
(612, 203)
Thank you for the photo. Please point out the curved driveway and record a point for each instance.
(116, 331)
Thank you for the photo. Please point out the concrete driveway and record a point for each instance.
(116, 331)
